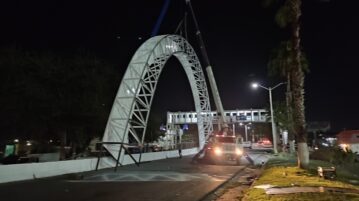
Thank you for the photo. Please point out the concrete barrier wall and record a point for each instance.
(18, 172)
(47, 157)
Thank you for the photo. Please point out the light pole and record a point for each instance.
(274, 133)
(246, 127)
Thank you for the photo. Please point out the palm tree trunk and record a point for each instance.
(297, 86)
(289, 104)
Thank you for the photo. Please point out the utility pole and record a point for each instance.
(274, 133)
(273, 122)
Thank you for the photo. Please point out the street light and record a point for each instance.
(274, 133)
(246, 128)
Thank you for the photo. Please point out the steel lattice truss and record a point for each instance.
(131, 108)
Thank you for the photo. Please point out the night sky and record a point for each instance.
(239, 36)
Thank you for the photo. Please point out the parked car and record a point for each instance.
(265, 143)
(156, 148)
(247, 144)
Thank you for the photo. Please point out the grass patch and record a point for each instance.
(349, 171)
(282, 172)
(283, 160)
(259, 195)
(283, 176)
(345, 172)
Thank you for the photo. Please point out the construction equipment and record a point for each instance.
(223, 145)
(212, 81)
(221, 149)
(205, 58)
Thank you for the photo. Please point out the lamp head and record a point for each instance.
(254, 85)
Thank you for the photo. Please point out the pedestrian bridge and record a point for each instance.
(232, 116)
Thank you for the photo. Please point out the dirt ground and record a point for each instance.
(234, 189)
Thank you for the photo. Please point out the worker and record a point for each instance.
(225, 131)
(179, 141)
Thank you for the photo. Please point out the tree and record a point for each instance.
(280, 63)
(47, 94)
(262, 130)
(289, 13)
(281, 116)
(153, 131)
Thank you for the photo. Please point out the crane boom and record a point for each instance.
(212, 81)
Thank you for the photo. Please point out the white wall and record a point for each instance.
(354, 148)
(18, 172)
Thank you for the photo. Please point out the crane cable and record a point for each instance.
(182, 26)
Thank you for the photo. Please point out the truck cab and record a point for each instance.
(222, 148)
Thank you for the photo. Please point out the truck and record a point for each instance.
(222, 149)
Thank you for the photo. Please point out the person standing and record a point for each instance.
(179, 134)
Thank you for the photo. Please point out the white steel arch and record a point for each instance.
(130, 111)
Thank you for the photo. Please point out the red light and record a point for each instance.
(266, 142)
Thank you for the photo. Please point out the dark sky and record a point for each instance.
(239, 36)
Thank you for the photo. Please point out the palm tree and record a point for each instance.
(280, 63)
(289, 13)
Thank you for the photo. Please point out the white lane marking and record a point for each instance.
(150, 176)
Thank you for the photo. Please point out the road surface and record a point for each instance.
(169, 179)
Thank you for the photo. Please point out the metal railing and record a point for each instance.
(142, 149)
(123, 146)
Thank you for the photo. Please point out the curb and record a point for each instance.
(222, 184)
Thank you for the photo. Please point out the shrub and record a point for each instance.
(335, 155)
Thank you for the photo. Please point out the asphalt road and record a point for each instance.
(169, 179)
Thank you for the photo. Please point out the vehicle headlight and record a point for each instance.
(239, 152)
(218, 151)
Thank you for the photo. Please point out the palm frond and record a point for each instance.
(283, 16)
(305, 63)
(267, 3)
(282, 58)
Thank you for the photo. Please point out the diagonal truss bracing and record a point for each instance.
(130, 111)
